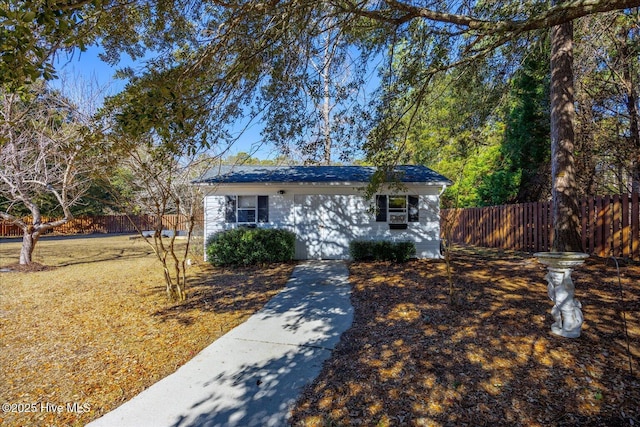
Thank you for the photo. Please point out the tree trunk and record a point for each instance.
(31, 234)
(29, 240)
(634, 115)
(564, 189)
(326, 106)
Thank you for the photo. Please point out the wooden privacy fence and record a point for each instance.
(103, 224)
(610, 226)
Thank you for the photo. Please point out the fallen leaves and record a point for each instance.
(411, 359)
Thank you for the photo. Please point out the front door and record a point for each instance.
(322, 226)
(308, 227)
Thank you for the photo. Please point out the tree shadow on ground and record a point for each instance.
(411, 359)
(220, 290)
(303, 334)
(252, 375)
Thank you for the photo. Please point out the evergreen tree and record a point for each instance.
(524, 170)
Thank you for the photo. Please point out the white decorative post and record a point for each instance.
(566, 310)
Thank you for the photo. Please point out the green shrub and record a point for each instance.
(381, 250)
(250, 246)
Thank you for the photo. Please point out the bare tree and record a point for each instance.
(161, 183)
(43, 157)
(332, 87)
(607, 135)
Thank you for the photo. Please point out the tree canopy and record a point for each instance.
(405, 80)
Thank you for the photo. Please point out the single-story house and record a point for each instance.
(326, 205)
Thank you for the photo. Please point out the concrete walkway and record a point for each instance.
(253, 375)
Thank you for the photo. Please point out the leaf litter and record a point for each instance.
(410, 358)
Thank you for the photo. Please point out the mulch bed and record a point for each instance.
(411, 358)
(26, 268)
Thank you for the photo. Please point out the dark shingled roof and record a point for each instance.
(315, 174)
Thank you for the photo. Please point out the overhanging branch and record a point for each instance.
(398, 13)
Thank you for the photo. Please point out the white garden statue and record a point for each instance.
(566, 310)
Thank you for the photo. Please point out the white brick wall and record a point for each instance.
(334, 215)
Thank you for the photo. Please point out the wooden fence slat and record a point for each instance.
(583, 223)
(616, 238)
(512, 227)
(532, 227)
(517, 227)
(521, 230)
(550, 232)
(478, 220)
(495, 228)
(545, 231)
(626, 228)
(606, 232)
(495, 232)
(526, 218)
(530, 222)
(635, 227)
(505, 230)
(599, 228)
(591, 221)
(539, 238)
(525, 228)
(486, 222)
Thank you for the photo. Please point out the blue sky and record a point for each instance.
(90, 68)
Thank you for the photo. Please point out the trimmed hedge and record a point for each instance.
(382, 250)
(250, 246)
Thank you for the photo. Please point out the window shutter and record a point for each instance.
(381, 208)
(263, 208)
(414, 208)
(230, 209)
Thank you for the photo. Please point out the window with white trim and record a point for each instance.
(247, 209)
(395, 209)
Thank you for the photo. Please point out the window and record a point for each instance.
(397, 209)
(247, 209)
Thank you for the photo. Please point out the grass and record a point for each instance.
(96, 328)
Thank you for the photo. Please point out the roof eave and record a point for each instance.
(317, 183)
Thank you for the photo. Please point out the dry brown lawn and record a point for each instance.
(84, 336)
(412, 360)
